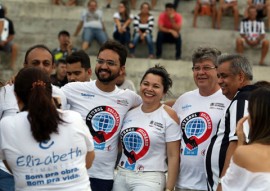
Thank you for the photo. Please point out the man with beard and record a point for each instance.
(103, 107)
(78, 67)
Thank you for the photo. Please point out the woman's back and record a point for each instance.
(57, 164)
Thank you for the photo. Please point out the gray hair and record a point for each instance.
(205, 53)
(239, 64)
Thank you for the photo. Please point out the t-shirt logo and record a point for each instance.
(135, 142)
(103, 122)
(197, 128)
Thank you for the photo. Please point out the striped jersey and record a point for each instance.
(252, 29)
(216, 152)
(256, 2)
(143, 27)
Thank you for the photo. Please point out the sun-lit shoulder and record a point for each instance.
(250, 157)
(171, 113)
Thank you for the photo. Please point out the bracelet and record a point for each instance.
(167, 189)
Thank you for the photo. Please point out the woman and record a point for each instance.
(44, 148)
(143, 24)
(122, 20)
(250, 166)
(150, 135)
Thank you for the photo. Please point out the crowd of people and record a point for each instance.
(65, 131)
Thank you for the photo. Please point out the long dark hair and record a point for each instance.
(33, 88)
(259, 111)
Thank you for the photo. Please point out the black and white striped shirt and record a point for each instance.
(144, 27)
(216, 152)
(252, 29)
(255, 2)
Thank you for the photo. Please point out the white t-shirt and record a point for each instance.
(117, 15)
(240, 179)
(8, 102)
(144, 137)
(9, 105)
(199, 117)
(50, 165)
(104, 113)
(92, 19)
(57, 93)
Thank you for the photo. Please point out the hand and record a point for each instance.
(174, 33)
(240, 132)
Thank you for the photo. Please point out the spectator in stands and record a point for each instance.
(234, 77)
(78, 67)
(263, 10)
(150, 135)
(60, 77)
(252, 34)
(133, 3)
(41, 133)
(123, 83)
(250, 166)
(65, 2)
(65, 46)
(169, 25)
(207, 105)
(122, 19)
(205, 7)
(225, 5)
(143, 24)
(92, 24)
(7, 34)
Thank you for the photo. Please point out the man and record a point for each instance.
(65, 46)
(93, 26)
(103, 106)
(78, 67)
(199, 112)
(7, 34)
(169, 26)
(263, 10)
(59, 79)
(123, 83)
(36, 56)
(234, 78)
(252, 34)
(225, 5)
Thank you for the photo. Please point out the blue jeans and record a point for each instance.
(100, 184)
(127, 180)
(6, 181)
(163, 37)
(89, 34)
(148, 39)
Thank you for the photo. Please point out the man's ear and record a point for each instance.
(122, 70)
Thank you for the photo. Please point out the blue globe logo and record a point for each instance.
(103, 121)
(195, 127)
(133, 142)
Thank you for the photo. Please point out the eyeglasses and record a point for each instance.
(204, 68)
(108, 62)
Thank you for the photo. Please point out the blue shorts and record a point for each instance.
(89, 34)
(7, 47)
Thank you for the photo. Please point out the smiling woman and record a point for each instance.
(149, 136)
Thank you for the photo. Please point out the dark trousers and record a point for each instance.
(123, 38)
(101, 184)
(163, 37)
